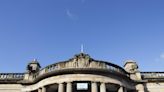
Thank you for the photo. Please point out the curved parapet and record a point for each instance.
(79, 69)
(81, 63)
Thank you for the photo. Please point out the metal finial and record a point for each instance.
(35, 59)
(82, 48)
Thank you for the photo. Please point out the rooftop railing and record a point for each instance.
(11, 76)
(151, 75)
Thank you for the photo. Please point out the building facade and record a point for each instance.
(82, 74)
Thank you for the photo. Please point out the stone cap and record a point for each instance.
(129, 61)
(34, 61)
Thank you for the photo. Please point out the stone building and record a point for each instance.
(82, 74)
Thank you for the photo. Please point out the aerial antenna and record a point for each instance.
(82, 48)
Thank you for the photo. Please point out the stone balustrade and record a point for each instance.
(80, 61)
(106, 66)
(54, 67)
(9, 76)
(151, 75)
(20, 76)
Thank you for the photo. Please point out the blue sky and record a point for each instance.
(53, 30)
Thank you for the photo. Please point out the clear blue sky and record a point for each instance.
(53, 30)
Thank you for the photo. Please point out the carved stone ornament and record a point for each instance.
(134, 68)
(81, 61)
(131, 66)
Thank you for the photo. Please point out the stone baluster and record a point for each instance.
(69, 87)
(94, 87)
(102, 87)
(61, 87)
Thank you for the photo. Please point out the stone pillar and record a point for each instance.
(94, 87)
(43, 89)
(61, 87)
(121, 89)
(102, 87)
(39, 90)
(69, 87)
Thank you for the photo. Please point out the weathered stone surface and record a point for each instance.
(11, 88)
(100, 75)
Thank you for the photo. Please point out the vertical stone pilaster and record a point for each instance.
(69, 87)
(61, 87)
(102, 87)
(94, 87)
